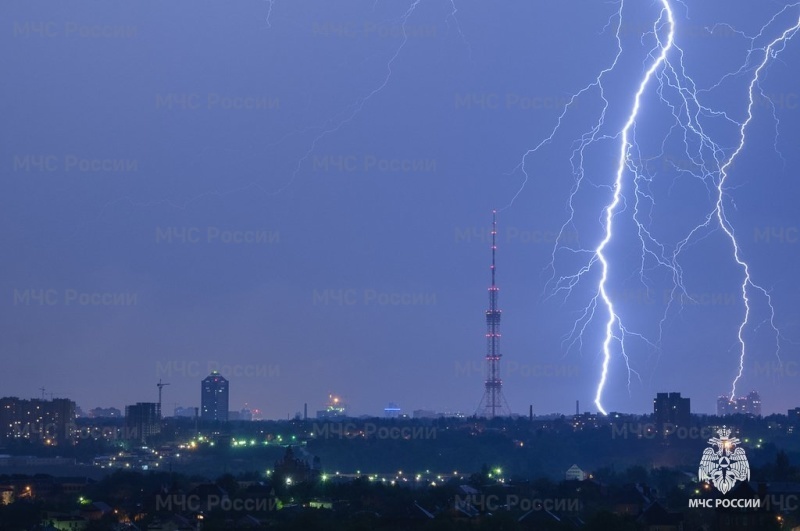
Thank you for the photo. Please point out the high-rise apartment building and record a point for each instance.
(214, 398)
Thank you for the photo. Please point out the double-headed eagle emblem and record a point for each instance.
(726, 465)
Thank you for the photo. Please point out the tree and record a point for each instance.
(636, 474)
(228, 483)
(783, 468)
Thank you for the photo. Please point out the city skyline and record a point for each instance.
(747, 404)
(323, 229)
(57, 415)
(249, 246)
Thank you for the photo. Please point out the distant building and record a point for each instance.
(745, 405)
(725, 407)
(292, 469)
(214, 398)
(105, 412)
(186, 412)
(335, 409)
(671, 409)
(575, 473)
(392, 411)
(47, 421)
(244, 414)
(62, 414)
(750, 404)
(142, 420)
(425, 414)
(794, 415)
(584, 421)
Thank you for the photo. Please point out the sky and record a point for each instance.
(299, 195)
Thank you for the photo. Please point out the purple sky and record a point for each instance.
(303, 202)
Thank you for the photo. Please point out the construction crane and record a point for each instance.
(160, 386)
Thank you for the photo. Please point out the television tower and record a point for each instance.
(493, 403)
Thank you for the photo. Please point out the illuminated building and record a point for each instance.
(142, 420)
(335, 409)
(745, 405)
(185, 412)
(574, 473)
(48, 421)
(725, 406)
(392, 411)
(109, 412)
(750, 404)
(214, 398)
(670, 409)
(244, 414)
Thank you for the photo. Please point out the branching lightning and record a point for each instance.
(349, 114)
(770, 51)
(331, 126)
(711, 163)
(614, 323)
(629, 191)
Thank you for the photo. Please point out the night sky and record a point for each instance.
(298, 196)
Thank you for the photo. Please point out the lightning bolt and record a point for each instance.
(329, 127)
(322, 130)
(614, 323)
(770, 51)
(270, 5)
(710, 163)
(350, 113)
(718, 215)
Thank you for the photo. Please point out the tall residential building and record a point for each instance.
(745, 405)
(751, 404)
(670, 409)
(142, 420)
(48, 421)
(214, 398)
(725, 406)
